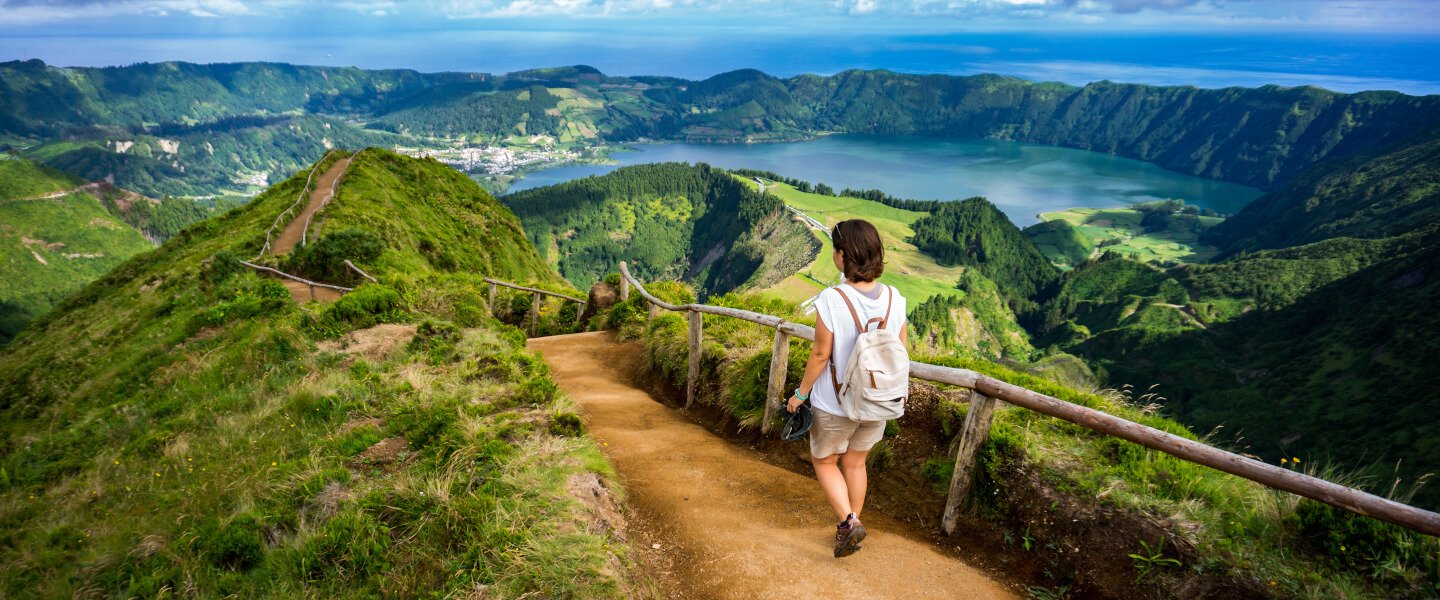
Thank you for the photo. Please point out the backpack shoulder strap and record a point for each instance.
(889, 302)
(858, 327)
(834, 379)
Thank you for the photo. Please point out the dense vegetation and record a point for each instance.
(203, 159)
(52, 247)
(1384, 192)
(974, 323)
(670, 220)
(180, 424)
(974, 233)
(1291, 347)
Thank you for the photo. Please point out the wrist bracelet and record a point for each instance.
(802, 397)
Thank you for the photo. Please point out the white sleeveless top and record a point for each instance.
(830, 308)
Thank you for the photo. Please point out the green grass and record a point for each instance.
(177, 426)
(914, 273)
(22, 178)
(1123, 225)
(51, 248)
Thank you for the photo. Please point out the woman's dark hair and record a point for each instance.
(864, 255)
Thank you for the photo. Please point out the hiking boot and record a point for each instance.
(848, 536)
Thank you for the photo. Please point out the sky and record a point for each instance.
(1344, 45)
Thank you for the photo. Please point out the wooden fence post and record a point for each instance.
(779, 368)
(579, 310)
(492, 299)
(624, 289)
(312, 292)
(650, 316)
(692, 378)
(534, 313)
(977, 428)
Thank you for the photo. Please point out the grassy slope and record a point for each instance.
(21, 178)
(1101, 224)
(911, 271)
(1320, 350)
(174, 427)
(49, 230)
(1384, 192)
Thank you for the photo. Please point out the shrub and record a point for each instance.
(221, 266)
(612, 279)
(325, 259)
(362, 306)
(438, 339)
(567, 424)
(272, 289)
(238, 544)
(351, 547)
(538, 391)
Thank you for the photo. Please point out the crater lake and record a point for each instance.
(1022, 179)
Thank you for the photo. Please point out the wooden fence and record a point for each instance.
(298, 199)
(534, 304)
(334, 185)
(988, 390)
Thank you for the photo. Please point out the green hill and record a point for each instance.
(233, 156)
(976, 322)
(1383, 192)
(52, 247)
(182, 424)
(974, 233)
(669, 220)
(1319, 350)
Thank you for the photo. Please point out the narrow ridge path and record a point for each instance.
(295, 229)
(732, 525)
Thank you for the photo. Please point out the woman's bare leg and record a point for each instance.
(834, 484)
(853, 465)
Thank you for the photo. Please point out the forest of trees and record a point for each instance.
(972, 232)
(661, 218)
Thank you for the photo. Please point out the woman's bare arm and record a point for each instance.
(819, 360)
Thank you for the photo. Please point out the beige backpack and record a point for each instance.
(877, 376)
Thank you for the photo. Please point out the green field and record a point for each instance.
(911, 271)
(1122, 224)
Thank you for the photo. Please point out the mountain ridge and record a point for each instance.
(1280, 131)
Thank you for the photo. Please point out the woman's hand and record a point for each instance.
(794, 404)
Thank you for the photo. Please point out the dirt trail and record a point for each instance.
(291, 235)
(89, 187)
(729, 524)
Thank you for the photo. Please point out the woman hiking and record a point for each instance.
(838, 442)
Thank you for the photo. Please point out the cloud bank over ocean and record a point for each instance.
(1348, 46)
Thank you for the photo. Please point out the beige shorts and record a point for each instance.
(836, 434)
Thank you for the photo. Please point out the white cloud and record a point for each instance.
(1331, 15)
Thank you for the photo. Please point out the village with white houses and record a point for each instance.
(497, 160)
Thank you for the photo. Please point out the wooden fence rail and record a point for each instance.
(334, 185)
(312, 284)
(977, 424)
(535, 303)
(298, 198)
